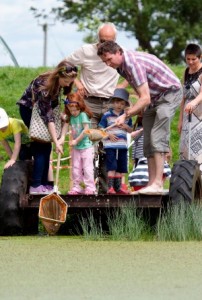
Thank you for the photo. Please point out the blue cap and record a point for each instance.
(121, 94)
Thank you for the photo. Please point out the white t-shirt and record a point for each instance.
(98, 79)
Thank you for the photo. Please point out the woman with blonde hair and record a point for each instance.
(46, 90)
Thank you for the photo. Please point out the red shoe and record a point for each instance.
(111, 191)
(123, 192)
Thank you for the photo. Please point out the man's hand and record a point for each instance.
(125, 127)
(80, 88)
(121, 120)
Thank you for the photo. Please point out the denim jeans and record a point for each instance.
(40, 151)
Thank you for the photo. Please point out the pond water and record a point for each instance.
(71, 268)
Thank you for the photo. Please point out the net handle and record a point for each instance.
(189, 133)
(109, 127)
(57, 171)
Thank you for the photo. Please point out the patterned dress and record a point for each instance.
(196, 124)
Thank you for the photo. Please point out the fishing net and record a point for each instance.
(52, 212)
(96, 135)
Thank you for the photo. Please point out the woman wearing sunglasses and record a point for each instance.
(46, 90)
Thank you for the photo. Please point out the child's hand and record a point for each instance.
(113, 138)
(10, 163)
(135, 133)
(73, 143)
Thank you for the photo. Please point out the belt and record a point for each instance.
(97, 98)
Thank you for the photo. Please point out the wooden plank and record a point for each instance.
(150, 201)
(101, 201)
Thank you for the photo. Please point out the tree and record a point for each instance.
(162, 27)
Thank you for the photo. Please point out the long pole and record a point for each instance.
(189, 138)
(45, 28)
(9, 51)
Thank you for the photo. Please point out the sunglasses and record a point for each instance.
(68, 70)
(71, 69)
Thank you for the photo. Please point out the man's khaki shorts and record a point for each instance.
(156, 122)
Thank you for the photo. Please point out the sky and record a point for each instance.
(25, 37)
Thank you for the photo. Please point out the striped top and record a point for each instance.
(140, 67)
(137, 147)
(108, 119)
(140, 176)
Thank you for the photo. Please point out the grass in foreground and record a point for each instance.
(91, 228)
(182, 222)
(127, 224)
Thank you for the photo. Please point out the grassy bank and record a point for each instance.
(13, 83)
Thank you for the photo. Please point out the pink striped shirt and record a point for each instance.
(140, 67)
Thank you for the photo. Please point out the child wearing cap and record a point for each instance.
(14, 130)
(115, 145)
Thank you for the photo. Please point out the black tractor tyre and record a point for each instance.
(185, 182)
(14, 185)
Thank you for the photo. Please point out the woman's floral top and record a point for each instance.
(46, 104)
